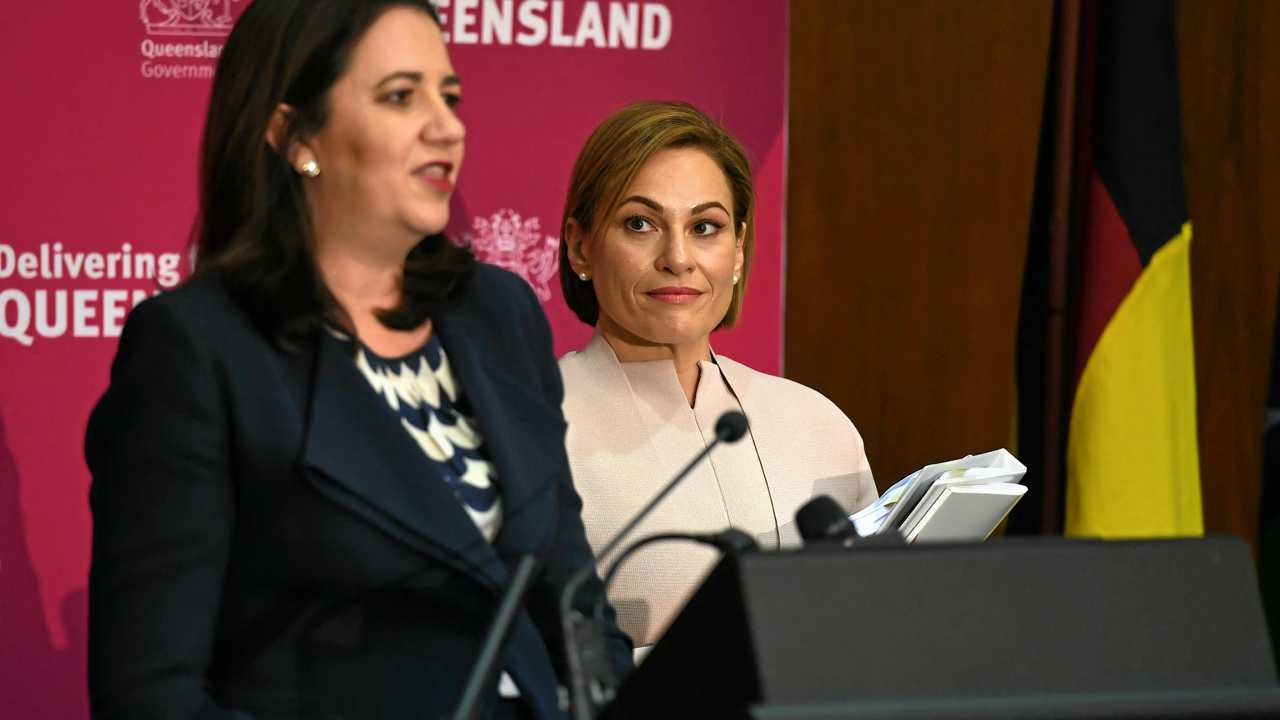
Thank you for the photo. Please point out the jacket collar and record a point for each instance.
(523, 430)
(361, 458)
(601, 361)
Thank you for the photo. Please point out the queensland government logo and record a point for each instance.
(517, 244)
(187, 17)
(183, 37)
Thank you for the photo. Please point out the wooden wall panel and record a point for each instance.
(1230, 68)
(913, 134)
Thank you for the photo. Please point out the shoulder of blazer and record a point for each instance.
(204, 302)
(779, 394)
(502, 319)
(798, 429)
(495, 294)
(594, 364)
(491, 294)
(221, 333)
(594, 383)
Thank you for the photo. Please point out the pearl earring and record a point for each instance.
(735, 279)
(310, 168)
(584, 276)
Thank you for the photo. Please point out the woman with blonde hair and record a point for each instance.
(656, 247)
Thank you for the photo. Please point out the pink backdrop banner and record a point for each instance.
(104, 104)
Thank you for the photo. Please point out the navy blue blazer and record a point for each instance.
(268, 540)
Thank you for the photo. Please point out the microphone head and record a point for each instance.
(731, 426)
(822, 518)
(733, 540)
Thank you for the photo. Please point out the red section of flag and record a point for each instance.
(1109, 266)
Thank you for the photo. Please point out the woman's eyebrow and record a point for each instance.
(412, 75)
(657, 207)
(707, 206)
(651, 204)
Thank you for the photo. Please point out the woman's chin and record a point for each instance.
(428, 222)
(676, 337)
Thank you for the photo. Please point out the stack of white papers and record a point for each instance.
(959, 500)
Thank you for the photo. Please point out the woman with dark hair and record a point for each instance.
(319, 460)
(655, 250)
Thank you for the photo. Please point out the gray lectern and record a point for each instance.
(1017, 628)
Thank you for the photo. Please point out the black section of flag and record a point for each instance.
(1032, 348)
(1269, 510)
(1137, 135)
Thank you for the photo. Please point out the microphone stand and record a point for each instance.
(486, 665)
(591, 680)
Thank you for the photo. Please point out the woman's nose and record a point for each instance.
(675, 257)
(443, 126)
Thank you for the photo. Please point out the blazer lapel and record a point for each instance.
(759, 419)
(622, 415)
(360, 457)
(523, 433)
(524, 438)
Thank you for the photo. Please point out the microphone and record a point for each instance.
(591, 680)
(822, 518)
(495, 640)
(730, 427)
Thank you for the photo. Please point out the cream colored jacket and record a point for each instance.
(626, 442)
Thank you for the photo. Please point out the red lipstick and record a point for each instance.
(674, 295)
(436, 176)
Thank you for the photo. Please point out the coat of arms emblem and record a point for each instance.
(517, 244)
(187, 17)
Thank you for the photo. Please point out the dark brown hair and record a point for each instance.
(616, 151)
(253, 228)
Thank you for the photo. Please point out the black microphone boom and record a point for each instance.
(590, 679)
(730, 428)
(495, 640)
(731, 540)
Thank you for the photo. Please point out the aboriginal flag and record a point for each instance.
(1132, 460)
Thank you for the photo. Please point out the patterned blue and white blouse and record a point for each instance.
(421, 389)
